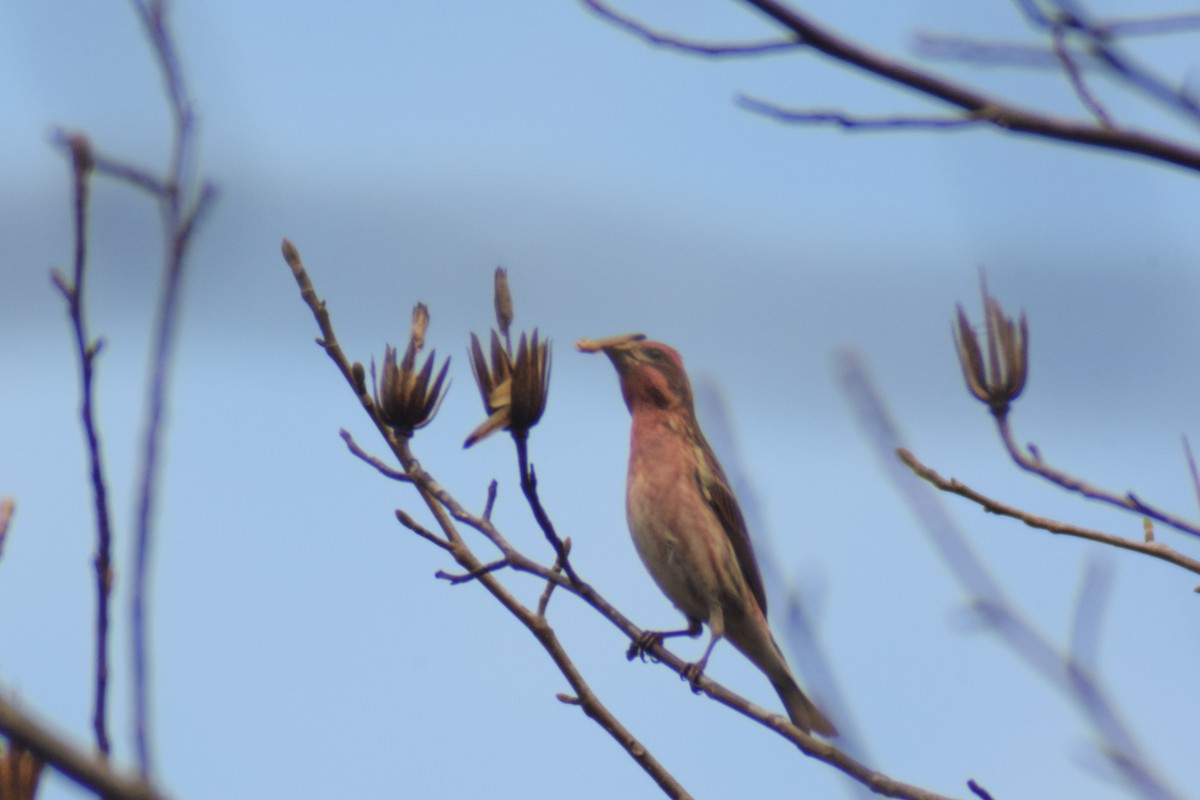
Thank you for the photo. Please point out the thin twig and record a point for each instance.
(1147, 26)
(420, 530)
(980, 792)
(991, 52)
(1076, 78)
(86, 350)
(181, 209)
(856, 123)
(954, 486)
(707, 49)
(529, 487)
(490, 503)
(544, 600)
(1033, 462)
(474, 574)
(1119, 64)
(992, 110)
(382, 468)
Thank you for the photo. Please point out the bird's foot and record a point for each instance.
(692, 673)
(642, 644)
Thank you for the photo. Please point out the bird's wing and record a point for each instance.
(715, 488)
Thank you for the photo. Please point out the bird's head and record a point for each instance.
(651, 373)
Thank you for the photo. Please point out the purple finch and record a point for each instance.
(686, 523)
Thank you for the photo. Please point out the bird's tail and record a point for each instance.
(803, 713)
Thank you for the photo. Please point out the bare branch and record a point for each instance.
(989, 52)
(708, 49)
(529, 487)
(855, 123)
(419, 529)
(182, 206)
(1000, 114)
(972, 104)
(490, 503)
(1032, 461)
(382, 468)
(980, 792)
(1148, 26)
(954, 486)
(1103, 46)
(86, 350)
(1076, 78)
(544, 601)
(478, 572)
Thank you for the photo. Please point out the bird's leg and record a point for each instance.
(692, 672)
(648, 639)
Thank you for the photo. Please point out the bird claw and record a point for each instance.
(692, 673)
(642, 644)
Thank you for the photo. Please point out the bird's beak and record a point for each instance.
(609, 346)
(617, 348)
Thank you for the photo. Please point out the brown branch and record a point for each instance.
(91, 772)
(420, 530)
(529, 487)
(86, 350)
(1002, 115)
(490, 503)
(1148, 26)
(980, 792)
(544, 600)
(990, 52)
(1075, 78)
(691, 47)
(474, 574)
(852, 122)
(183, 205)
(1032, 462)
(954, 486)
(991, 110)
(1103, 46)
(382, 468)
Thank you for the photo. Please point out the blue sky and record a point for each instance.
(302, 646)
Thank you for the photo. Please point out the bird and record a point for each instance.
(687, 526)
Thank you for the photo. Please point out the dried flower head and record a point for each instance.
(514, 388)
(20, 772)
(408, 398)
(999, 379)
